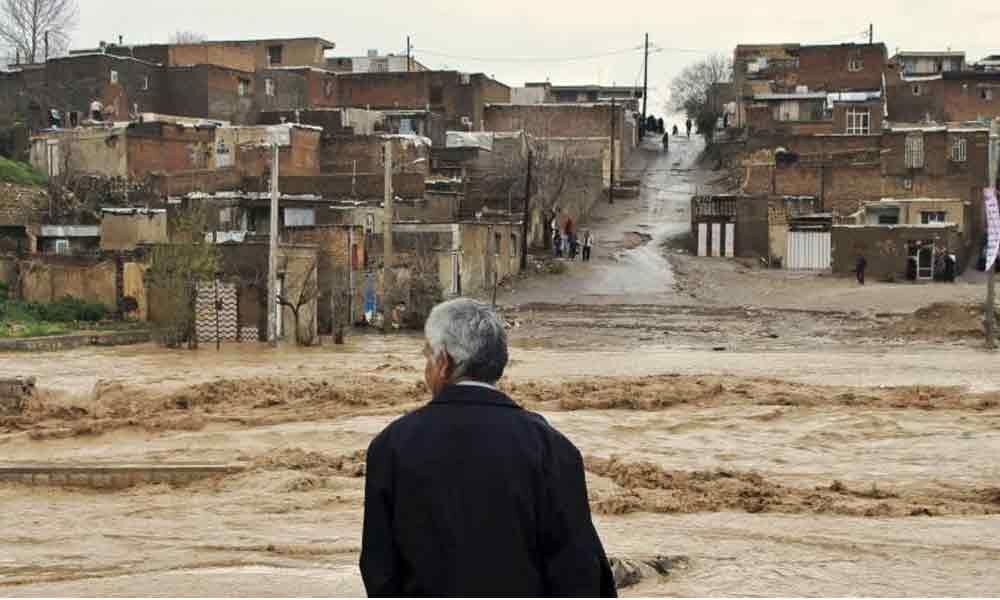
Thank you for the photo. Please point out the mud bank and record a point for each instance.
(257, 402)
(646, 487)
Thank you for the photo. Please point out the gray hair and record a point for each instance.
(472, 334)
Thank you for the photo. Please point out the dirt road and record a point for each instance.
(779, 450)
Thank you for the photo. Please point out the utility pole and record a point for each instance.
(408, 59)
(645, 89)
(611, 190)
(46, 46)
(387, 213)
(871, 33)
(272, 253)
(527, 213)
(990, 308)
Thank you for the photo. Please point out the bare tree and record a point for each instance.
(187, 37)
(28, 26)
(690, 91)
(299, 295)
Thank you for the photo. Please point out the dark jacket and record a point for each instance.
(473, 496)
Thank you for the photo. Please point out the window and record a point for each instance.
(114, 76)
(914, 154)
(986, 93)
(513, 245)
(959, 150)
(437, 94)
(274, 55)
(379, 66)
(888, 219)
(933, 216)
(497, 241)
(61, 246)
(328, 87)
(244, 87)
(855, 64)
(269, 87)
(145, 82)
(858, 121)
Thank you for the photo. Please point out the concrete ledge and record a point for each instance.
(111, 476)
(68, 342)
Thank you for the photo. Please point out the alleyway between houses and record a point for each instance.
(628, 265)
(779, 447)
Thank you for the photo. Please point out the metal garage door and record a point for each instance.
(808, 250)
(716, 239)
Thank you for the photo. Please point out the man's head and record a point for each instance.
(465, 340)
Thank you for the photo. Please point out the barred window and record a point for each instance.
(858, 121)
(960, 150)
(915, 151)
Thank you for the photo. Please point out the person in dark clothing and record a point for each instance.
(950, 262)
(859, 269)
(472, 495)
(666, 142)
(688, 124)
(675, 131)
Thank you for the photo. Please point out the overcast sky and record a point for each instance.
(488, 35)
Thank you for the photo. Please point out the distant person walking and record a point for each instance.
(588, 243)
(666, 142)
(859, 269)
(688, 125)
(556, 243)
(676, 131)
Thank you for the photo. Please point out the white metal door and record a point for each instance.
(808, 251)
(716, 239)
(702, 239)
(730, 239)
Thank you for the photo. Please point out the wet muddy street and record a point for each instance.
(778, 451)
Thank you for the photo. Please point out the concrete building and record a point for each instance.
(929, 63)
(546, 93)
(373, 62)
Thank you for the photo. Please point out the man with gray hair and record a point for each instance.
(471, 495)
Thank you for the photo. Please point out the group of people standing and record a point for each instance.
(566, 243)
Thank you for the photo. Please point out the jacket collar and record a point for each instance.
(473, 394)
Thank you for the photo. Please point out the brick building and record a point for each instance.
(232, 81)
(140, 150)
(819, 89)
(943, 97)
(460, 98)
(844, 172)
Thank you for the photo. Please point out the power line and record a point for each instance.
(529, 59)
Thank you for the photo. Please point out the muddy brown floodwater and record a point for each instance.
(769, 451)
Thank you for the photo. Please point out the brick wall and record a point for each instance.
(21, 205)
(341, 250)
(885, 249)
(405, 185)
(168, 148)
(554, 120)
(363, 154)
(826, 67)
(962, 98)
(232, 56)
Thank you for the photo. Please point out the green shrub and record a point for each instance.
(69, 309)
(21, 173)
